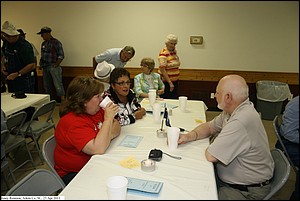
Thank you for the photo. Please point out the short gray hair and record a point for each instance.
(149, 62)
(171, 37)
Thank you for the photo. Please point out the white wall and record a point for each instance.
(250, 36)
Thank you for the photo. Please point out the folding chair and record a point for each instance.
(276, 125)
(36, 126)
(4, 163)
(281, 172)
(40, 182)
(48, 153)
(16, 140)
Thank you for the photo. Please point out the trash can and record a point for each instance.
(270, 96)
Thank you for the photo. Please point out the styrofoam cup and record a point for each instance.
(117, 188)
(105, 101)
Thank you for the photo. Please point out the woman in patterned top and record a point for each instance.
(121, 94)
(147, 79)
(169, 67)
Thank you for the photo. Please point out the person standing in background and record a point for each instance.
(289, 131)
(36, 53)
(169, 67)
(52, 54)
(19, 60)
(116, 56)
(147, 80)
(3, 77)
(18, 63)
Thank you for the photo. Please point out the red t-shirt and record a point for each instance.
(72, 133)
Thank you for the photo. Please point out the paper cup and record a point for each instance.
(105, 101)
(117, 188)
(152, 91)
(182, 103)
(152, 96)
(173, 136)
(156, 111)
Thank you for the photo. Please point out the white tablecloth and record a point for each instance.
(192, 177)
(11, 105)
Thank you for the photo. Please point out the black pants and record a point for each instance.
(170, 94)
(68, 177)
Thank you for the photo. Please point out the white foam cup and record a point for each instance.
(156, 111)
(105, 101)
(117, 188)
(173, 136)
(182, 103)
(152, 96)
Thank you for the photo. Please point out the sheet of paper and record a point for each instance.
(130, 162)
(131, 141)
(144, 185)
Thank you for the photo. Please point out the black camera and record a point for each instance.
(155, 154)
(19, 94)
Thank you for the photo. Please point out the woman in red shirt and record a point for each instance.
(84, 129)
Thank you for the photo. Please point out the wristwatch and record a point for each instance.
(19, 74)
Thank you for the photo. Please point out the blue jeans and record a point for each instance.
(53, 77)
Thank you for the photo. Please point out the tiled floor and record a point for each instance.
(283, 194)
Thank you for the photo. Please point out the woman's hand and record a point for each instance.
(116, 129)
(171, 86)
(140, 113)
(111, 110)
(161, 91)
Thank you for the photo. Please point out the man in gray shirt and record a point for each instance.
(116, 56)
(240, 149)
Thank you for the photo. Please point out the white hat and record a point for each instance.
(9, 29)
(103, 70)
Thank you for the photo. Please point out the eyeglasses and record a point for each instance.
(123, 83)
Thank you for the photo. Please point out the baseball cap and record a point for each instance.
(45, 30)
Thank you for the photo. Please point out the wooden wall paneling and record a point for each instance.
(197, 84)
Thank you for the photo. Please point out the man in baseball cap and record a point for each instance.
(45, 30)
